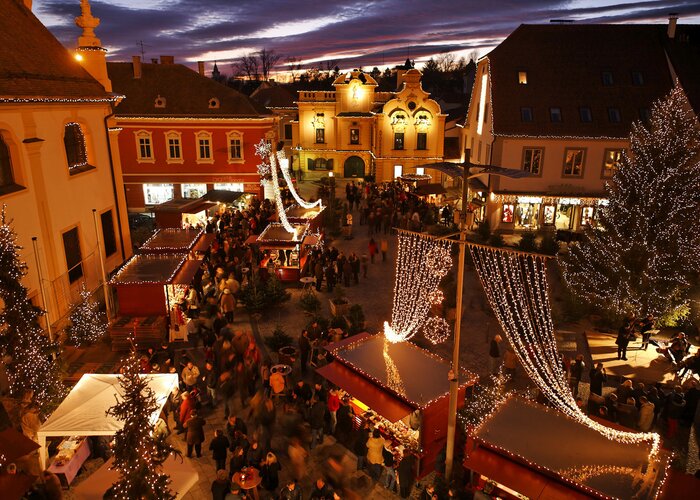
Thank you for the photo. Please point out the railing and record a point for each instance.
(317, 96)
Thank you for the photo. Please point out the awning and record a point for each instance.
(311, 239)
(200, 206)
(376, 398)
(252, 240)
(222, 196)
(186, 273)
(427, 189)
(204, 243)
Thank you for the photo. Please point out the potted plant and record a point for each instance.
(282, 344)
(253, 295)
(339, 303)
(356, 317)
(309, 302)
(274, 291)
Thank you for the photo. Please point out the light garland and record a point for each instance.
(517, 289)
(284, 166)
(116, 279)
(264, 151)
(436, 297)
(436, 329)
(88, 324)
(149, 243)
(415, 177)
(421, 263)
(112, 98)
(485, 401)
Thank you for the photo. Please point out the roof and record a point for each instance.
(684, 54)
(275, 233)
(355, 114)
(171, 240)
(564, 65)
(34, 64)
(149, 269)
(186, 92)
(273, 96)
(221, 195)
(549, 441)
(428, 189)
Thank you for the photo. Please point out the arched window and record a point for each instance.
(7, 177)
(74, 142)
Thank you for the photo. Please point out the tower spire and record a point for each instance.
(88, 23)
(90, 53)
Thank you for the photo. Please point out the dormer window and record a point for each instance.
(159, 102)
(522, 77)
(214, 103)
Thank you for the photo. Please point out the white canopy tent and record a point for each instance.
(84, 411)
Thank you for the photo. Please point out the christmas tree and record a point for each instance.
(138, 455)
(484, 400)
(88, 324)
(32, 370)
(644, 253)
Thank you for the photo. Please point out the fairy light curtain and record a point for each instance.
(268, 173)
(284, 167)
(421, 263)
(516, 286)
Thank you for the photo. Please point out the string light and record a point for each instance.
(112, 98)
(436, 329)
(436, 297)
(174, 261)
(88, 324)
(183, 240)
(284, 166)
(516, 287)
(264, 151)
(484, 401)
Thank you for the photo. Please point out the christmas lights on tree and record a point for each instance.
(643, 255)
(485, 399)
(138, 454)
(88, 324)
(21, 338)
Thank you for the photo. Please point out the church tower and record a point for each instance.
(90, 53)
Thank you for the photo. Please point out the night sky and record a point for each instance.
(350, 33)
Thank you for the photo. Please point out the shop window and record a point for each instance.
(74, 143)
(527, 212)
(585, 114)
(193, 190)
(614, 115)
(174, 146)
(532, 160)
(74, 258)
(573, 162)
(144, 150)
(204, 146)
(7, 176)
(548, 214)
(354, 136)
(526, 114)
(555, 115)
(422, 140)
(320, 136)
(288, 131)
(564, 216)
(108, 236)
(587, 216)
(236, 187)
(398, 140)
(611, 162)
(155, 194)
(507, 215)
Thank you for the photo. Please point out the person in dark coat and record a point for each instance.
(360, 447)
(406, 473)
(330, 277)
(221, 485)
(237, 461)
(290, 491)
(598, 378)
(321, 491)
(317, 417)
(269, 472)
(304, 351)
(195, 434)
(219, 448)
(674, 410)
(624, 336)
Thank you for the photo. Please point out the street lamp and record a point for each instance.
(331, 207)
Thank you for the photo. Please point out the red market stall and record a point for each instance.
(400, 388)
(300, 215)
(184, 212)
(193, 242)
(284, 253)
(527, 450)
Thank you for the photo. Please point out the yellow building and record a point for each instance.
(60, 186)
(355, 131)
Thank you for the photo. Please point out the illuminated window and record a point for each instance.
(204, 147)
(482, 105)
(421, 140)
(320, 136)
(585, 114)
(144, 149)
(573, 162)
(607, 78)
(555, 115)
(235, 146)
(507, 215)
(155, 194)
(354, 136)
(614, 115)
(526, 114)
(174, 149)
(237, 187)
(611, 162)
(193, 190)
(398, 171)
(420, 170)
(74, 142)
(532, 160)
(587, 215)
(398, 140)
(548, 214)
(522, 77)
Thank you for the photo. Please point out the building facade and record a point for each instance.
(355, 131)
(183, 134)
(58, 181)
(558, 101)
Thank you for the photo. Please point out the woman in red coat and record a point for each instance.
(333, 405)
(186, 409)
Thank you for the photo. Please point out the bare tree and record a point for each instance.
(294, 66)
(268, 60)
(329, 67)
(446, 62)
(247, 66)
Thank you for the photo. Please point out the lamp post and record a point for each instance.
(331, 207)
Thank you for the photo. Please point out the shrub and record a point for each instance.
(549, 245)
(339, 296)
(275, 292)
(528, 241)
(278, 339)
(484, 230)
(253, 295)
(309, 302)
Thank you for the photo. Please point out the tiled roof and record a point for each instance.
(273, 96)
(565, 66)
(34, 64)
(186, 92)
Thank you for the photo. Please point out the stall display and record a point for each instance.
(184, 213)
(285, 253)
(192, 242)
(72, 453)
(400, 388)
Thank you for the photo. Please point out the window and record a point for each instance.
(354, 136)
(420, 170)
(555, 115)
(532, 160)
(204, 147)
(74, 142)
(508, 210)
(174, 149)
(614, 115)
(288, 131)
(585, 114)
(607, 78)
(526, 114)
(320, 136)
(398, 140)
(108, 237)
(398, 171)
(478, 154)
(611, 162)
(193, 190)
(587, 216)
(7, 177)
(522, 77)
(421, 140)
(230, 186)
(71, 246)
(637, 78)
(573, 162)
(644, 115)
(155, 194)
(144, 151)
(548, 213)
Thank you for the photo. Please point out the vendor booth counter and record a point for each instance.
(193, 242)
(399, 388)
(284, 253)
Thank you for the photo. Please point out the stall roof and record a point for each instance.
(297, 212)
(427, 189)
(204, 242)
(555, 444)
(172, 240)
(186, 273)
(378, 400)
(221, 196)
(417, 376)
(276, 233)
(149, 268)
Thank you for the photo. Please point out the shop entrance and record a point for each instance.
(354, 167)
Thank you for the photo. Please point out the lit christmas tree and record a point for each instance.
(138, 455)
(643, 255)
(88, 324)
(21, 338)
(484, 400)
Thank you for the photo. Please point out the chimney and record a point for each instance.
(167, 59)
(136, 62)
(200, 66)
(672, 20)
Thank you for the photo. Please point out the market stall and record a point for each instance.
(400, 388)
(83, 412)
(284, 253)
(184, 212)
(300, 215)
(192, 242)
(526, 450)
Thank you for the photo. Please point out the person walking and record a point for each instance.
(576, 373)
(372, 248)
(195, 434)
(495, 354)
(219, 447)
(304, 351)
(317, 418)
(384, 246)
(227, 304)
(210, 379)
(598, 378)
(333, 406)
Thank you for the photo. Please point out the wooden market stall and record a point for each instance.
(527, 450)
(300, 215)
(284, 253)
(402, 389)
(193, 242)
(149, 288)
(184, 212)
